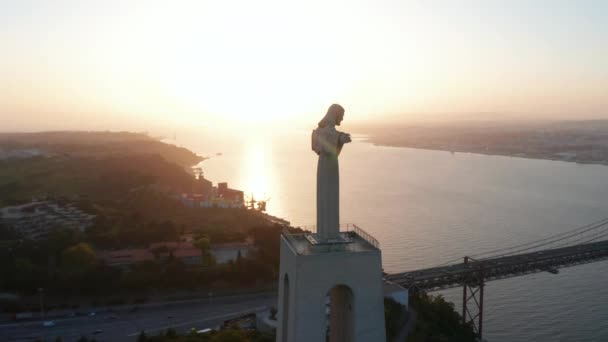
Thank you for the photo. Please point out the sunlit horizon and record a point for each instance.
(166, 66)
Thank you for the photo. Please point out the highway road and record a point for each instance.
(126, 325)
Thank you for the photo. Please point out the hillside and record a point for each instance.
(97, 144)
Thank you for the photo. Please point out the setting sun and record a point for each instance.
(203, 62)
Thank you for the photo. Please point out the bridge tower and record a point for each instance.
(330, 290)
(472, 296)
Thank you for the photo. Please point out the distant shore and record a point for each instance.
(582, 142)
(491, 153)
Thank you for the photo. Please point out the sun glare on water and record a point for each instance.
(257, 173)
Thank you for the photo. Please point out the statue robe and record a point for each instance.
(327, 143)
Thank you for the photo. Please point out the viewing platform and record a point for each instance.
(351, 239)
(347, 269)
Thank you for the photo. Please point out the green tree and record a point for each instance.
(60, 238)
(230, 335)
(204, 244)
(438, 321)
(79, 257)
(395, 317)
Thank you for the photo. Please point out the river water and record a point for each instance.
(429, 207)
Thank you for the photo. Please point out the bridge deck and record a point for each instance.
(438, 278)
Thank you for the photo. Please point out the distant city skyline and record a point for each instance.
(158, 64)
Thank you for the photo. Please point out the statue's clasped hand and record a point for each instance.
(345, 138)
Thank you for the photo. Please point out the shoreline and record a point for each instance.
(498, 154)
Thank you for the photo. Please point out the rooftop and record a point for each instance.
(351, 239)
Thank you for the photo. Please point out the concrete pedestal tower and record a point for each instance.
(330, 282)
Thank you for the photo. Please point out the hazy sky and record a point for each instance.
(153, 64)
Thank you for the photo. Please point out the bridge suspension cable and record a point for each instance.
(580, 231)
(595, 237)
(575, 231)
(549, 255)
(551, 240)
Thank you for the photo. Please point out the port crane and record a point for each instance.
(253, 204)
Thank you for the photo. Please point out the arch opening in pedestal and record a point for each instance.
(285, 308)
(340, 320)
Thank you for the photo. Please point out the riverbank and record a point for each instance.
(582, 142)
(496, 153)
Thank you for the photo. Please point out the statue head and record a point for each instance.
(334, 116)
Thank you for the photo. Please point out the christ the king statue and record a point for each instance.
(327, 142)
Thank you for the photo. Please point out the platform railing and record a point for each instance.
(366, 236)
(344, 228)
(291, 239)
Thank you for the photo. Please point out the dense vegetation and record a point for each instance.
(100, 179)
(98, 144)
(395, 316)
(437, 321)
(129, 181)
(146, 215)
(65, 265)
(100, 166)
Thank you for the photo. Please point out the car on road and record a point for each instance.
(92, 313)
(49, 324)
(98, 331)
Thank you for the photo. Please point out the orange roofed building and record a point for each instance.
(125, 257)
(184, 251)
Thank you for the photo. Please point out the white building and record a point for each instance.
(225, 252)
(34, 220)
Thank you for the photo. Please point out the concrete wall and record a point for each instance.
(311, 277)
(400, 297)
(223, 255)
